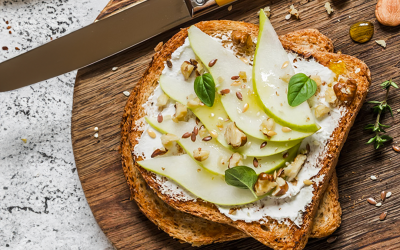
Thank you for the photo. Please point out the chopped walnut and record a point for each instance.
(200, 155)
(235, 160)
(321, 110)
(346, 91)
(242, 38)
(294, 12)
(180, 112)
(193, 101)
(330, 96)
(328, 8)
(267, 11)
(293, 168)
(234, 136)
(267, 127)
(199, 68)
(243, 76)
(282, 187)
(187, 69)
(265, 183)
(167, 140)
(162, 100)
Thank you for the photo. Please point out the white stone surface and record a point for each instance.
(42, 205)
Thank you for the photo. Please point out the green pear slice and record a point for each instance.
(187, 173)
(215, 119)
(227, 66)
(217, 161)
(269, 67)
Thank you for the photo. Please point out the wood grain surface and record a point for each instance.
(99, 102)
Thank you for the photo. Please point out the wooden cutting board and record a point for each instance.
(99, 101)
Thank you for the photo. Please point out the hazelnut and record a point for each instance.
(234, 136)
(321, 110)
(168, 139)
(345, 91)
(187, 69)
(200, 155)
(180, 112)
(265, 183)
(388, 12)
(235, 160)
(282, 187)
(293, 168)
(162, 100)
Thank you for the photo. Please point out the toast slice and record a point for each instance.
(271, 234)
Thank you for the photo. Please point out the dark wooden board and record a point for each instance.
(98, 101)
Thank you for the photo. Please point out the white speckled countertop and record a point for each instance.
(42, 205)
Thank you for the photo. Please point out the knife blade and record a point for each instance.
(138, 23)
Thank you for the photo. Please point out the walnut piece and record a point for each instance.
(234, 136)
(168, 139)
(235, 160)
(330, 96)
(180, 112)
(193, 101)
(187, 69)
(293, 168)
(282, 187)
(242, 38)
(267, 127)
(162, 100)
(345, 91)
(200, 155)
(265, 183)
(328, 8)
(321, 110)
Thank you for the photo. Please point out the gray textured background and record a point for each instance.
(42, 205)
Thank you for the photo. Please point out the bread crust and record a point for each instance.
(273, 234)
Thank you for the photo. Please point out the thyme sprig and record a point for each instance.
(380, 109)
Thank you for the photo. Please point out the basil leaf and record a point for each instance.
(241, 177)
(301, 88)
(204, 87)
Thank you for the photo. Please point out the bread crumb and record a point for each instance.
(96, 135)
(328, 8)
(126, 93)
(373, 177)
(381, 43)
(287, 17)
(114, 68)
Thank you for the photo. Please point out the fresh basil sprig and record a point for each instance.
(241, 177)
(301, 88)
(204, 87)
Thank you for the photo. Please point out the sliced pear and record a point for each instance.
(203, 184)
(218, 159)
(271, 63)
(216, 119)
(226, 67)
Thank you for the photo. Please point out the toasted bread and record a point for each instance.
(272, 234)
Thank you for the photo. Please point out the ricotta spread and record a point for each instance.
(291, 205)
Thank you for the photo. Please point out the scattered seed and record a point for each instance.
(331, 239)
(245, 107)
(158, 152)
(230, 8)
(8, 27)
(308, 148)
(198, 170)
(373, 177)
(201, 127)
(5, 48)
(24, 140)
(163, 168)
(263, 144)
(151, 133)
(169, 64)
(9, 32)
(232, 211)
(307, 55)
(236, 83)
(396, 148)
(307, 182)
(239, 96)
(96, 135)
(7, 22)
(196, 130)
(280, 172)
(160, 118)
(383, 195)
(114, 68)
(285, 155)
(235, 77)
(383, 216)
(96, 129)
(378, 204)
(271, 133)
(212, 62)
(285, 64)
(388, 194)
(255, 162)
(371, 201)
(225, 91)
(197, 121)
(213, 133)
(286, 129)
(126, 93)
(16, 48)
(207, 138)
(193, 137)
(186, 135)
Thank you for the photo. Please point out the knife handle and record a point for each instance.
(223, 2)
(200, 7)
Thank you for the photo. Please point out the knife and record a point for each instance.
(142, 21)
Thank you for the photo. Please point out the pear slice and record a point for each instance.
(215, 119)
(271, 64)
(209, 187)
(227, 67)
(218, 159)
